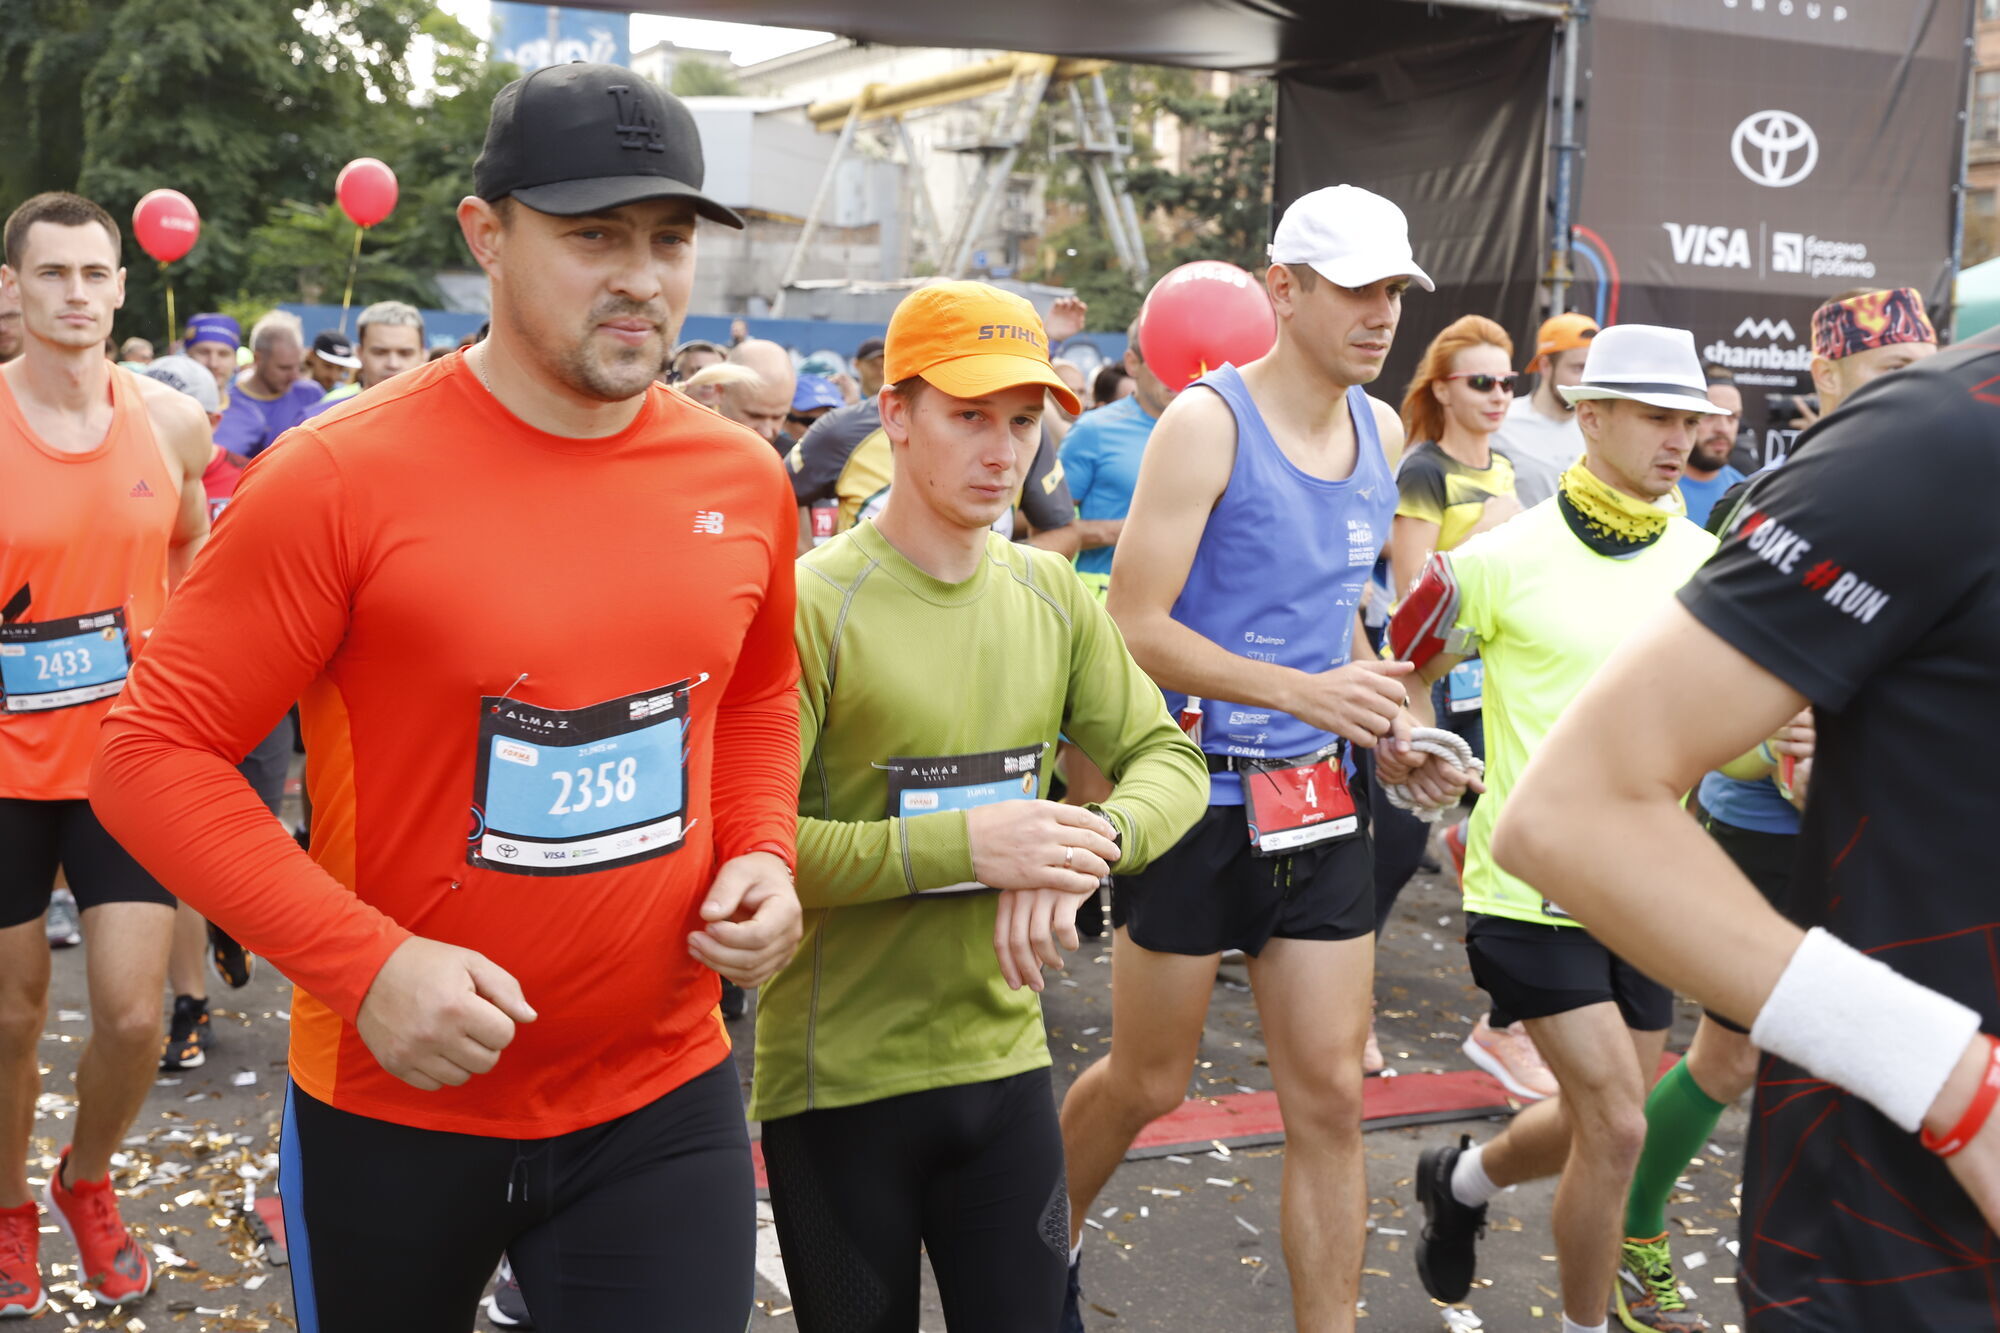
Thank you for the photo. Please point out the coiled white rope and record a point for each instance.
(1446, 745)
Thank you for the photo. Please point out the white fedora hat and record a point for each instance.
(1644, 363)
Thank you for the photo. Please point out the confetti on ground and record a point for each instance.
(1253, 1230)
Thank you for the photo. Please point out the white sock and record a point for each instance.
(1076, 1252)
(1470, 1184)
(1571, 1326)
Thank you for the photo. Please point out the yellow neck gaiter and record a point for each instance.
(1609, 521)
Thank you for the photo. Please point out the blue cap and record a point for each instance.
(215, 329)
(815, 391)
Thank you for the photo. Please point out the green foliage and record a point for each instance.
(695, 77)
(250, 108)
(1219, 208)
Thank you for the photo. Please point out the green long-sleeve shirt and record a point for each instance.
(895, 988)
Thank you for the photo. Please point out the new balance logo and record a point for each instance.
(1778, 330)
(142, 491)
(636, 127)
(708, 522)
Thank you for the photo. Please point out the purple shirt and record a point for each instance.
(249, 425)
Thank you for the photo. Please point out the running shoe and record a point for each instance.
(234, 965)
(187, 1035)
(1072, 1311)
(1453, 839)
(1509, 1055)
(64, 926)
(735, 1000)
(22, 1295)
(1447, 1251)
(112, 1263)
(504, 1307)
(1647, 1297)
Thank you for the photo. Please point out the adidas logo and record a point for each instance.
(142, 491)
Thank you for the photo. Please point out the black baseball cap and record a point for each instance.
(586, 138)
(872, 347)
(335, 350)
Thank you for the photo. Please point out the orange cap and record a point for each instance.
(970, 340)
(1562, 333)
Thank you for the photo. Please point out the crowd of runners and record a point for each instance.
(607, 704)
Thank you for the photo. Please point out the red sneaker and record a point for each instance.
(22, 1295)
(1454, 842)
(113, 1264)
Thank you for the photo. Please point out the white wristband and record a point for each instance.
(1858, 1023)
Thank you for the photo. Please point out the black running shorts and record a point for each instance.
(1538, 971)
(1765, 860)
(646, 1221)
(1208, 893)
(970, 1176)
(38, 836)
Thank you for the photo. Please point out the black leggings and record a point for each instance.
(972, 1175)
(646, 1221)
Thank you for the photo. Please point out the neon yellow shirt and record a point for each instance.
(1547, 611)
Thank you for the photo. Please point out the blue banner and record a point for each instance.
(524, 35)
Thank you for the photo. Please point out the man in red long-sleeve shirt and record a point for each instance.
(537, 613)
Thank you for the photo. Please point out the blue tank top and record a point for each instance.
(1281, 566)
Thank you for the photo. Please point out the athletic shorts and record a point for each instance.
(1766, 860)
(1537, 971)
(646, 1221)
(38, 836)
(1208, 893)
(266, 767)
(971, 1176)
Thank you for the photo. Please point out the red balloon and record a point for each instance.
(367, 190)
(166, 225)
(1201, 315)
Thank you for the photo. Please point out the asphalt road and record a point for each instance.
(1186, 1244)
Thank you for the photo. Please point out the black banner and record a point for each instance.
(1749, 159)
(1456, 133)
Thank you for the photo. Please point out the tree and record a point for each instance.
(250, 108)
(695, 77)
(1219, 208)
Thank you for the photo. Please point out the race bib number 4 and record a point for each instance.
(1292, 804)
(52, 664)
(962, 782)
(568, 791)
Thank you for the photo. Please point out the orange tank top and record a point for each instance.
(83, 578)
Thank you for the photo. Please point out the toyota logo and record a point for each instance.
(1774, 148)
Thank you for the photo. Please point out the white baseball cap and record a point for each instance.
(1349, 236)
(189, 376)
(1645, 363)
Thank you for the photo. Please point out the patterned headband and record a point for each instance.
(1873, 319)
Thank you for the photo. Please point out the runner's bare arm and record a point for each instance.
(1609, 779)
(182, 428)
(1411, 541)
(1182, 476)
(1065, 541)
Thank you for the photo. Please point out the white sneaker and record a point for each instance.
(65, 928)
(1509, 1055)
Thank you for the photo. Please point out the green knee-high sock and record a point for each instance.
(1679, 1119)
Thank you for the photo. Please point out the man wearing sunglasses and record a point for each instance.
(1540, 432)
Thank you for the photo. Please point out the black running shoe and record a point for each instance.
(187, 1035)
(1447, 1252)
(735, 1000)
(233, 964)
(1072, 1314)
(505, 1307)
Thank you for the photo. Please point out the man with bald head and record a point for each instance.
(761, 405)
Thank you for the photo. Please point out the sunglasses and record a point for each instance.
(1486, 383)
(798, 419)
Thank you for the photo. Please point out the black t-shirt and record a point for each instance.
(1866, 574)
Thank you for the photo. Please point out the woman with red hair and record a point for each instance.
(1453, 482)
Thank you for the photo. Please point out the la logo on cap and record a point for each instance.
(636, 127)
